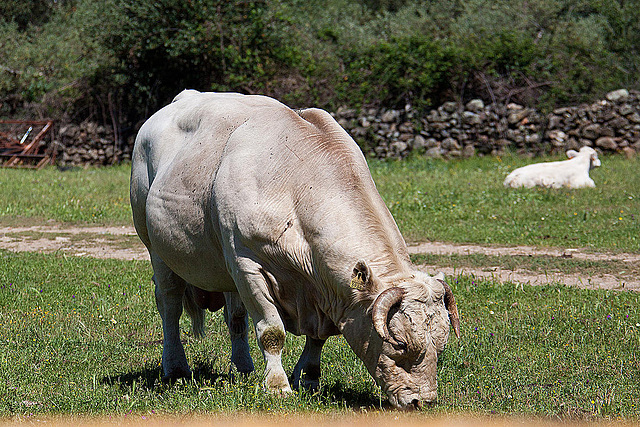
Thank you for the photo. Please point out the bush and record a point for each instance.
(120, 60)
(168, 45)
(402, 71)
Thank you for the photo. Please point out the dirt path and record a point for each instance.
(621, 280)
(123, 243)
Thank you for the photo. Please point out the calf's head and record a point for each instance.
(589, 152)
(411, 319)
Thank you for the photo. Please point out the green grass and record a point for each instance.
(82, 336)
(94, 195)
(464, 201)
(459, 201)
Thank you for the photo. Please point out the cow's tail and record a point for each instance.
(195, 313)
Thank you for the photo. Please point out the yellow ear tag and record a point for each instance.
(357, 282)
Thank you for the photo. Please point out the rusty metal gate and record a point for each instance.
(22, 144)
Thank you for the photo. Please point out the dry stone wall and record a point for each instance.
(88, 144)
(610, 125)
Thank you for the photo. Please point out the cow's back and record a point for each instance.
(214, 174)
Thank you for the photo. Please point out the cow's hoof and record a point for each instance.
(307, 378)
(308, 384)
(278, 383)
(176, 374)
(284, 392)
(244, 365)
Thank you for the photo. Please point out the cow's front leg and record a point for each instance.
(271, 337)
(236, 318)
(307, 371)
(254, 285)
(169, 291)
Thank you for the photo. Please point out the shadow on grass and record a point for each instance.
(151, 377)
(357, 400)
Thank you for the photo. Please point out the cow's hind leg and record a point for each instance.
(169, 291)
(237, 320)
(306, 374)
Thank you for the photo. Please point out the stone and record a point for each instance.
(405, 127)
(91, 127)
(449, 107)
(450, 144)
(432, 142)
(532, 139)
(625, 109)
(475, 105)
(607, 143)
(471, 118)
(557, 135)
(405, 137)
(561, 111)
(518, 116)
(555, 122)
(607, 131)
(434, 152)
(591, 131)
(390, 116)
(359, 131)
(586, 143)
(572, 144)
(635, 118)
(618, 95)
(629, 152)
(468, 151)
(419, 142)
(619, 122)
(380, 151)
(399, 146)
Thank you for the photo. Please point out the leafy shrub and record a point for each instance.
(120, 60)
(400, 71)
(168, 45)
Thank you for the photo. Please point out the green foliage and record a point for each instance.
(398, 72)
(166, 46)
(123, 59)
(49, 68)
(27, 12)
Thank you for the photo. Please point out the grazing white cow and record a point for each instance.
(277, 209)
(572, 173)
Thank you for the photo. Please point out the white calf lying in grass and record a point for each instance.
(572, 173)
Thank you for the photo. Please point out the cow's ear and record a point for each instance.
(361, 276)
(572, 153)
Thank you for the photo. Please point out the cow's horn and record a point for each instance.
(387, 299)
(450, 303)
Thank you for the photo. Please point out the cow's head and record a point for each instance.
(411, 319)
